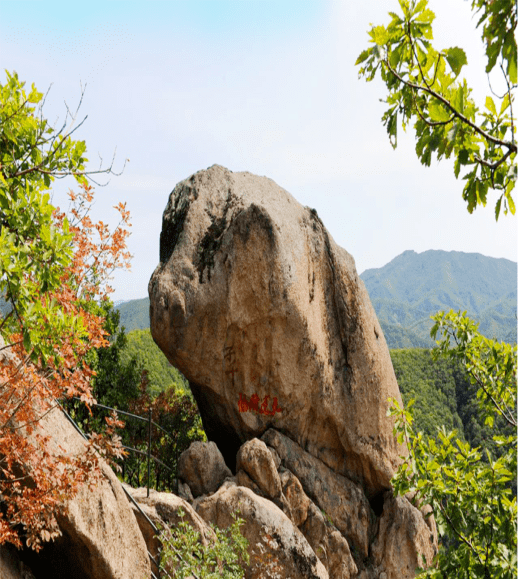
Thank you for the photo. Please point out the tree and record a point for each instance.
(161, 374)
(471, 493)
(424, 84)
(53, 276)
(117, 376)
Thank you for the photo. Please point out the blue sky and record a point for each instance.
(263, 86)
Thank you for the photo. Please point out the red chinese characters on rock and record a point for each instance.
(252, 405)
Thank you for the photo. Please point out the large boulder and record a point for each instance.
(202, 467)
(276, 547)
(269, 321)
(257, 461)
(100, 535)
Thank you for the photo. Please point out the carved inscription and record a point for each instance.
(252, 405)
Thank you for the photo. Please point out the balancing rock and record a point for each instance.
(269, 321)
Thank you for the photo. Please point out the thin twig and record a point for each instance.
(510, 101)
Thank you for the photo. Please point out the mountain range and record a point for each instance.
(413, 286)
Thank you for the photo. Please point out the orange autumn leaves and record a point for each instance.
(65, 320)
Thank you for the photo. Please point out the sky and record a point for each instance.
(268, 87)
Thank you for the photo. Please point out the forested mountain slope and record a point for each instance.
(444, 396)
(134, 314)
(411, 287)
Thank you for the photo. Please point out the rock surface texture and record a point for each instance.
(202, 467)
(276, 547)
(101, 538)
(269, 321)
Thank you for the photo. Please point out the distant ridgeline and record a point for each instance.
(413, 286)
(406, 291)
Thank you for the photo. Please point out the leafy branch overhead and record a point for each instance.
(424, 85)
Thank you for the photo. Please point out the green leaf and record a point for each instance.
(456, 58)
(458, 99)
(497, 208)
(363, 56)
(380, 35)
(510, 202)
(437, 111)
(505, 104)
(511, 70)
(490, 105)
(427, 17)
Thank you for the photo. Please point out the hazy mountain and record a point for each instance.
(134, 314)
(411, 287)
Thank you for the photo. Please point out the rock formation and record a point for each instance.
(268, 320)
(100, 536)
(203, 465)
(324, 532)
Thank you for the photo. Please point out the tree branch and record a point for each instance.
(477, 129)
(459, 535)
(510, 101)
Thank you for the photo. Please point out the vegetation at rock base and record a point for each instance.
(133, 375)
(223, 557)
(424, 85)
(54, 273)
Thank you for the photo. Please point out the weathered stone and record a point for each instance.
(203, 468)
(329, 544)
(276, 547)
(342, 500)
(184, 491)
(100, 536)
(256, 460)
(427, 512)
(243, 480)
(403, 538)
(296, 497)
(269, 321)
(11, 566)
(144, 514)
(276, 457)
